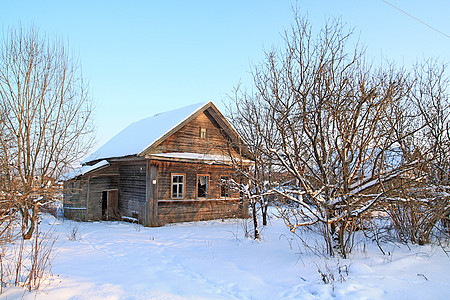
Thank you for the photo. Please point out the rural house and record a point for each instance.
(173, 167)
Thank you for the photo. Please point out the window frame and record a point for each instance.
(207, 186)
(183, 186)
(224, 186)
(203, 132)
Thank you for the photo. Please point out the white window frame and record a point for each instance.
(178, 184)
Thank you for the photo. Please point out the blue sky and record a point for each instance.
(145, 57)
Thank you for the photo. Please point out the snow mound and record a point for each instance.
(359, 268)
(49, 220)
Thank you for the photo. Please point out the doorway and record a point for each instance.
(110, 205)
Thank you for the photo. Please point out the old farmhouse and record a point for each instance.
(173, 167)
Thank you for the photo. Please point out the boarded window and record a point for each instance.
(177, 186)
(224, 186)
(202, 186)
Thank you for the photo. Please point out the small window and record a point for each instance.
(177, 186)
(202, 186)
(224, 186)
(203, 133)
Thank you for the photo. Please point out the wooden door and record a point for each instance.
(112, 207)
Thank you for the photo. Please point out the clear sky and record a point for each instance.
(145, 57)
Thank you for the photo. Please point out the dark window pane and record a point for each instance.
(174, 190)
(202, 186)
(224, 188)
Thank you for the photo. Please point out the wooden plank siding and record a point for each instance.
(86, 203)
(96, 187)
(188, 211)
(75, 201)
(191, 170)
(132, 189)
(187, 138)
(131, 181)
(192, 208)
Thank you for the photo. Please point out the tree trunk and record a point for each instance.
(255, 219)
(27, 234)
(264, 214)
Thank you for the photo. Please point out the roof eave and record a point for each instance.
(199, 160)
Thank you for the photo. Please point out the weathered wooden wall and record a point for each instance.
(87, 203)
(132, 188)
(192, 208)
(74, 200)
(191, 170)
(200, 210)
(96, 187)
(187, 138)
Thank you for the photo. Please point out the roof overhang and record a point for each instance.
(200, 158)
(84, 170)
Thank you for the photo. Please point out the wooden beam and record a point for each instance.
(151, 196)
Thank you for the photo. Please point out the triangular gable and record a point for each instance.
(214, 112)
(141, 137)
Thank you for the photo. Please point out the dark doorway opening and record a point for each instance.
(104, 204)
(110, 205)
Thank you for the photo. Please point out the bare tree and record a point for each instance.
(334, 119)
(419, 206)
(250, 117)
(46, 120)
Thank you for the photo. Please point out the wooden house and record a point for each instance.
(172, 167)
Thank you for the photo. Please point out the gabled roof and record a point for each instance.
(142, 136)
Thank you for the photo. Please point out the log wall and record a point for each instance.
(187, 138)
(200, 210)
(74, 200)
(191, 170)
(132, 189)
(86, 203)
(193, 208)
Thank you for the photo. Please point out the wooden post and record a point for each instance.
(88, 200)
(151, 196)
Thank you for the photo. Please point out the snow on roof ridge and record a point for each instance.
(140, 135)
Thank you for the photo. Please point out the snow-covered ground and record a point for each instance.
(214, 260)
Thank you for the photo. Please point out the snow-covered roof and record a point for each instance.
(210, 158)
(83, 170)
(140, 135)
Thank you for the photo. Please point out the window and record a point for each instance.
(202, 186)
(224, 186)
(203, 133)
(177, 186)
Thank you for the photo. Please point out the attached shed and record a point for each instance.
(173, 167)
